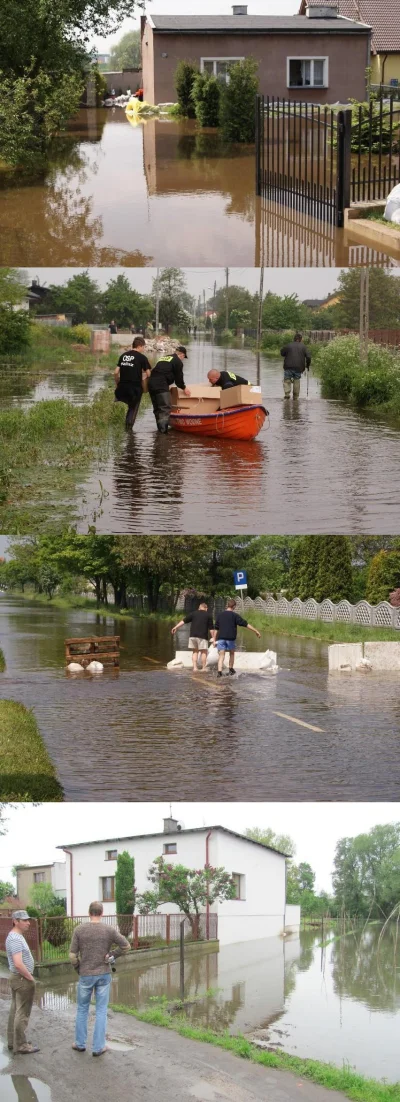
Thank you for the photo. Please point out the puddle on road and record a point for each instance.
(20, 1088)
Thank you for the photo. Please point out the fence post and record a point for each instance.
(136, 932)
(257, 141)
(39, 933)
(196, 928)
(344, 125)
(182, 961)
(168, 929)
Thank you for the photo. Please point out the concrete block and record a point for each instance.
(345, 656)
(383, 656)
(244, 660)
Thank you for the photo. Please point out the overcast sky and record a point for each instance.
(34, 832)
(198, 7)
(306, 282)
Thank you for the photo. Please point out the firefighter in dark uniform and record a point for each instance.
(132, 366)
(226, 379)
(168, 371)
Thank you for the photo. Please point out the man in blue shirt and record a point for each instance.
(226, 625)
(22, 983)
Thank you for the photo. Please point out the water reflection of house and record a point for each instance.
(320, 56)
(384, 19)
(258, 910)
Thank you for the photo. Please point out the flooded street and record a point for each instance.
(154, 194)
(316, 466)
(299, 734)
(340, 1004)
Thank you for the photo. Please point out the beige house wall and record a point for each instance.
(385, 68)
(148, 67)
(25, 882)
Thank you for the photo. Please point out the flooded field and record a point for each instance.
(298, 734)
(118, 193)
(340, 1004)
(316, 466)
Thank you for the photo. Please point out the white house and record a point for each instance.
(258, 911)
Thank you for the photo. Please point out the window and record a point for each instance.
(307, 72)
(218, 66)
(170, 847)
(38, 878)
(240, 885)
(107, 885)
(111, 854)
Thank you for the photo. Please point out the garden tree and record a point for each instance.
(237, 114)
(185, 76)
(384, 299)
(321, 567)
(175, 302)
(366, 875)
(80, 296)
(125, 305)
(125, 884)
(44, 60)
(190, 889)
(147, 903)
(15, 330)
(322, 319)
(13, 286)
(383, 576)
(127, 52)
(42, 898)
(267, 837)
(206, 95)
(285, 312)
(240, 301)
(6, 889)
(159, 561)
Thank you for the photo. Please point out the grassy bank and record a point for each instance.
(2, 662)
(354, 1086)
(58, 346)
(74, 601)
(43, 450)
(316, 629)
(21, 746)
(373, 384)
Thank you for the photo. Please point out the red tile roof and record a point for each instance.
(382, 15)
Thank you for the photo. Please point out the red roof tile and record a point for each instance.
(382, 15)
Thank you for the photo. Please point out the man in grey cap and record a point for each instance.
(167, 371)
(22, 983)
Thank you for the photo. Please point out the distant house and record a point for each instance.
(29, 875)
(383, 17)
(321, 58)
(258, 911)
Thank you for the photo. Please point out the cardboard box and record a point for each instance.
(203, 399)
(240, 396)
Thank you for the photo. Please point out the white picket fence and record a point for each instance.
(378, 616)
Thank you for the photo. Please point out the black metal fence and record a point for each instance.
(318, 160)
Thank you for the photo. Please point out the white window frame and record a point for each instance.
(312, 86)
(241, 898)
(102, 879)
(214, 62)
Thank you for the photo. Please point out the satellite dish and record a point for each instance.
(181, 825)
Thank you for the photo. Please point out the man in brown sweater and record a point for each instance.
(90, 953)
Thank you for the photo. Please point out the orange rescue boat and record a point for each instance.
(236, 423)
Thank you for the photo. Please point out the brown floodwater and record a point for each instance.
(150, 731)
(317, 466)
(158, 193)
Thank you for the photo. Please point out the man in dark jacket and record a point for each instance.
(168, 371)
(132, 365)
(226, 379)
(201, 625)
(226, 625)
(297, 359)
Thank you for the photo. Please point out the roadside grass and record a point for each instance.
(43, 449)
(27, 772)
(75, 601)
(2, 661)
(59, 346)
(374, 216)
(316, 629)
(353, 1085)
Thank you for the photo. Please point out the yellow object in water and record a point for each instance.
(134, 106)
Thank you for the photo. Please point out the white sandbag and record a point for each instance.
(95, 667)
(268, 661)
(75, 667)
(212, 657)
(393, 205)
(175, 664)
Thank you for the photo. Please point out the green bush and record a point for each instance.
(185, 76)
(237, 109)
(81, 333)
(206, 96)
(15, 334)
(276, 340)
(383, 576)
(344, 375)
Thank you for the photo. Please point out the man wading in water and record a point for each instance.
(133, 367)
(226, 625)
(167, 371)
(297, 359)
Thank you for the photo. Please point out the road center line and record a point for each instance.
(156, 661)
(300, 722)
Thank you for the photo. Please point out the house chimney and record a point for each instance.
(170, 826)
(239, 9)
(322, 11)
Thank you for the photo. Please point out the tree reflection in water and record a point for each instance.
(364, 971)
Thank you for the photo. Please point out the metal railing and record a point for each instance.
(49, 938)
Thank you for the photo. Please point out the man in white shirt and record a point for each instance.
(22, 983)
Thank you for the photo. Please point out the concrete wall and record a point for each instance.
(349, 656)
(347, 61)
(59, 878)
(292, 919)
(260, 914)
(122, 80)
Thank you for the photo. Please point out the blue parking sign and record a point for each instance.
(240, 579)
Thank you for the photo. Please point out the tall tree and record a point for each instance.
(125, 305)
(283, 843)
(80, 296)
(383, 576)
(285, 312)
(174, 302)
(384, 299)
(127, 52)
(190, 889)
(13, 286)
(366, 876)
(125, 884)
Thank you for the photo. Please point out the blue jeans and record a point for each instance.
(101, 987)
(226, 644)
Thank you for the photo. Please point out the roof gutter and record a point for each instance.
(207, 865)
(71, 879)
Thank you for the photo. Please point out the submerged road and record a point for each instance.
(146, 1063)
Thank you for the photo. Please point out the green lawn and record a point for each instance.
(316, 629)
(26, 770)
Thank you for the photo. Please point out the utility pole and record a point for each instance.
(204, 308)
(213, 310)
(226, 298)
(364, 312)
(259, 325)
(157, 302)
